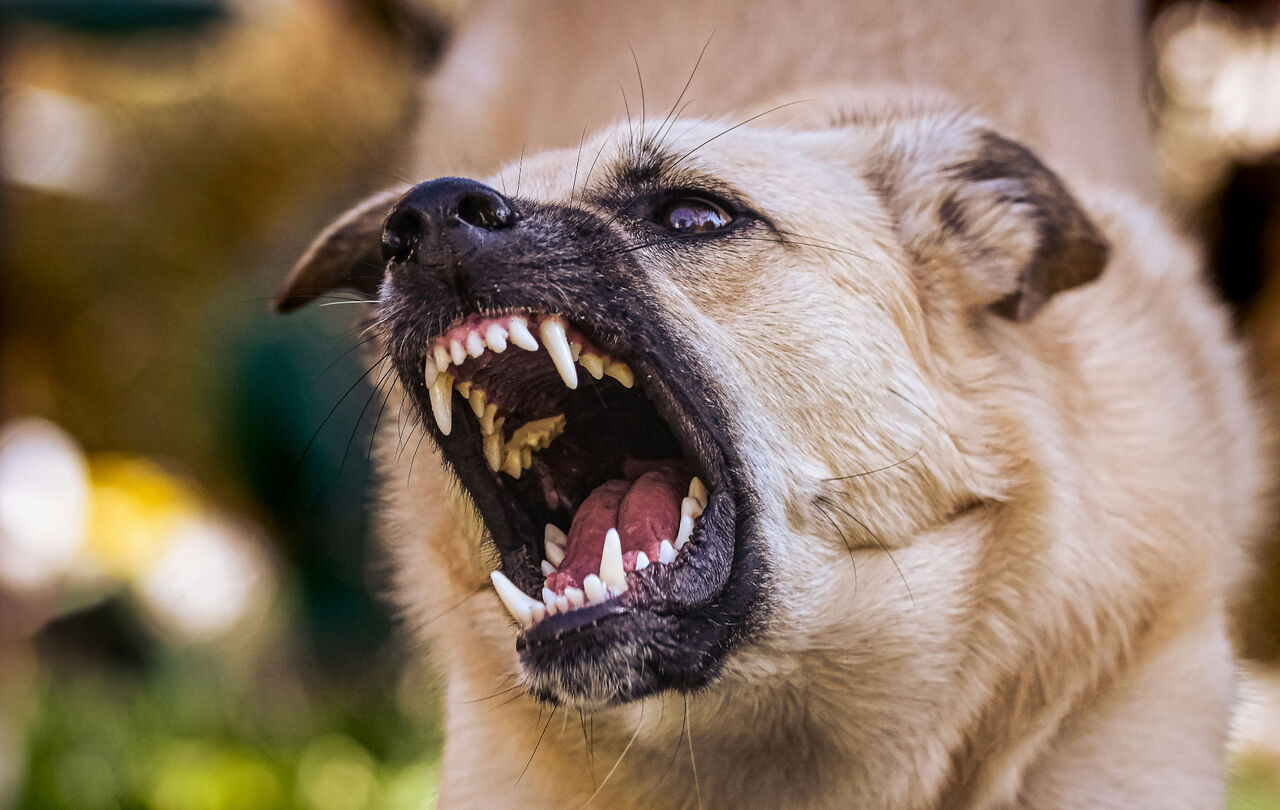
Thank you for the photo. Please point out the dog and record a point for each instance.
(842, 456)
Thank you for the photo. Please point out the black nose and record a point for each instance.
(452, 211)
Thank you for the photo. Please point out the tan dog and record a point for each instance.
(882, 469)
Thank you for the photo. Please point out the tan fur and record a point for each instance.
(1033, 612)
(1045, 618)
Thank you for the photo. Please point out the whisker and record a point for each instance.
(742, 123)
(875, 537)
(668, 121)
(621, 756)
(848, 548)
(693, 763)
(877, 469)
(538, 744)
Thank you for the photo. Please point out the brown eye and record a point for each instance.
(691, 215)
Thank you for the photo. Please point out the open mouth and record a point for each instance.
(578, 459)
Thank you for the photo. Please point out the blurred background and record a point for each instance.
(189, 598)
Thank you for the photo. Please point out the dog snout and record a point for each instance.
(449, 215)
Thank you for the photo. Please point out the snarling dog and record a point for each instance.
(847, 459)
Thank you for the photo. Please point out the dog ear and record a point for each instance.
(974, 199)
(346, 255)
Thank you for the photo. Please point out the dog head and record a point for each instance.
(711, 393)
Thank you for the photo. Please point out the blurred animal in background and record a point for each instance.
(805, 444)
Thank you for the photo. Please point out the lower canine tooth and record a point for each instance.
(666, 552)
(612, 574)
(521, 336)
(519, 604)
(556, 340)
(593, 588)
(685, 532)
(622, 373)
(442, 402)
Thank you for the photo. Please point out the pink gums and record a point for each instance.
(644, 508)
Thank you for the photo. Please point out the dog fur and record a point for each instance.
(1007, 455)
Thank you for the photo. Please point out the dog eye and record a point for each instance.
(693, 215)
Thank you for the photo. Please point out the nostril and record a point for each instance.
(401, 235)
(488, 211)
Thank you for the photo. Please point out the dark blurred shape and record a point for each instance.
(420, 29)
(116, 16)
(1237, 225)
(106, 636)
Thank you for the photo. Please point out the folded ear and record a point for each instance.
(346, 255)
(972, 199)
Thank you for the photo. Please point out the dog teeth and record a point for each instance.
(555, 542)
(612, 574)
(457, 352)
(642, 561)
(556, 340)
(441, 355)
(666, 552)
(520, 335)
(430, 372)
(576, 597)
(493, 450)
(685, 531)
(442, 402)
(593, 364)
(496, 337)
(620, 372)
(519, 604)
(698, 491)
(594, 589)
(475, 344)
(476, 398)
(547, 569)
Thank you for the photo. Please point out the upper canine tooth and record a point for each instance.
(475, 344)
(698, 491)
(442, 402)
(593, 364)
(557, 343)
(612, 573)
(554, 543)
(593, 588)
(496, 337)
(429, 370)
(685, 531)
(520, 334)
(441, 355)
(622, 373)
(457, 352)
(518, 603)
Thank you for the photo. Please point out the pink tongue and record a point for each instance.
(644, 508)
